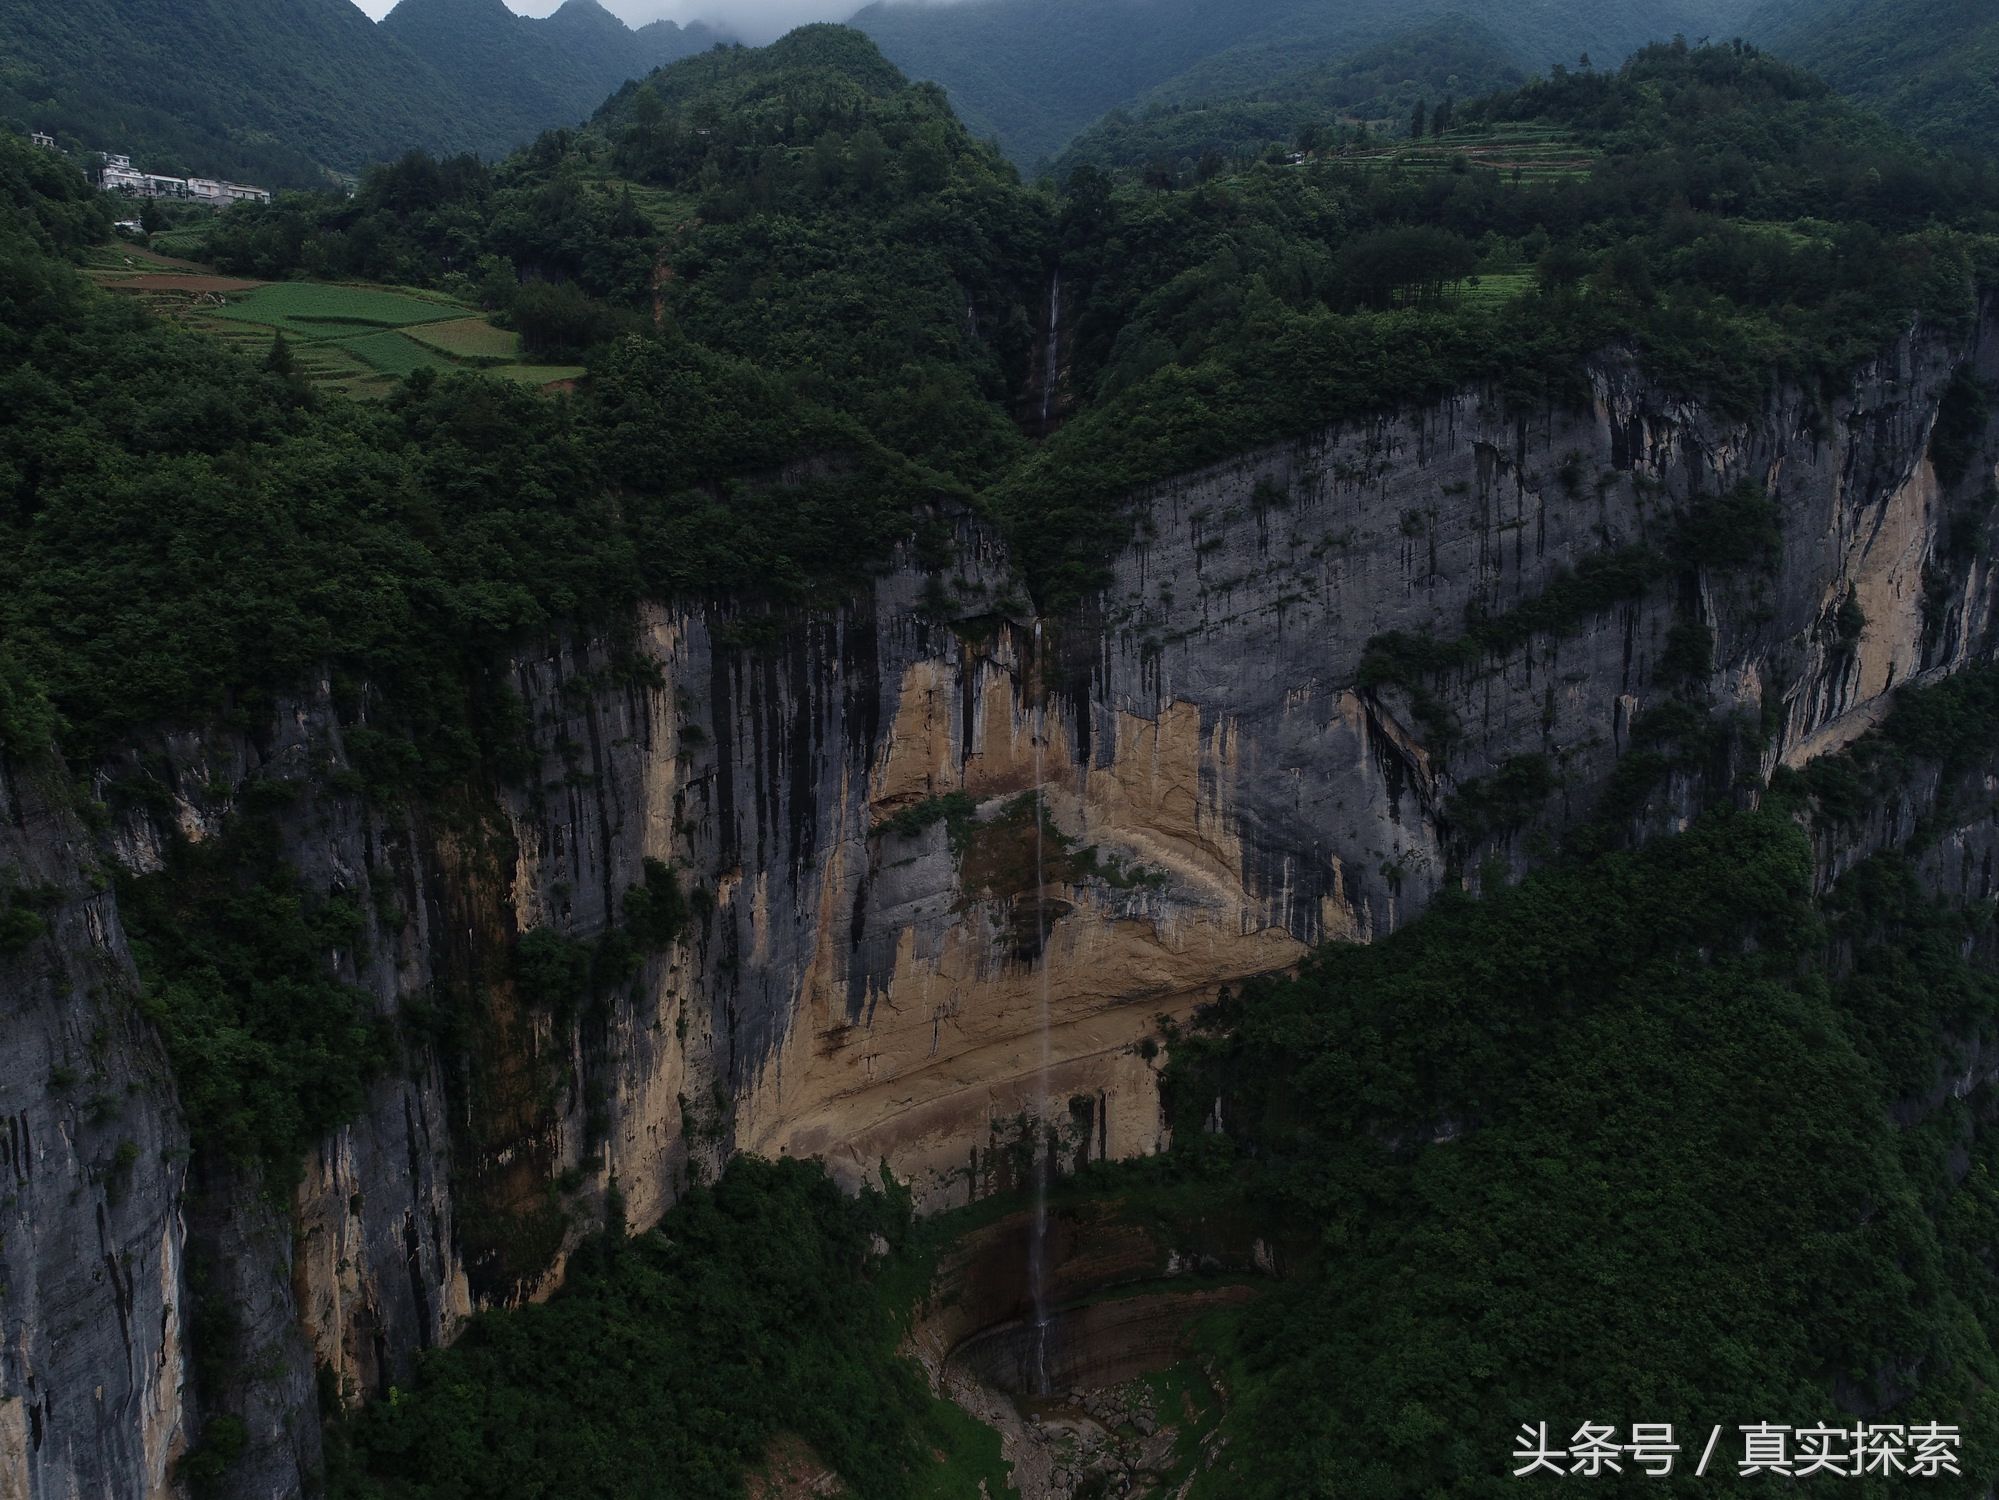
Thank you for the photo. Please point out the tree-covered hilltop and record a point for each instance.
(1175, 134)
(800, 205)
(278, 94)
(1034, 73)
(1931, 66)
(476, 510)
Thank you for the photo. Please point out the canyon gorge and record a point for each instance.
(1220, 751)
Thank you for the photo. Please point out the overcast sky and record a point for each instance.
(754, 20)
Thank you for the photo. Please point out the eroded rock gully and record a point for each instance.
(862, 978)
(1133, 1402)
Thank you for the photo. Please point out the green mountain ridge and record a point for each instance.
(1455, 57)
(271, 93)
(533, 73)
(1035, 72)
(1930, 65)
(278, 94)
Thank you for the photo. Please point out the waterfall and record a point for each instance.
(1037, 1249)
(1053, 374)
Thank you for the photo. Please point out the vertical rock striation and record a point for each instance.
(845, 803)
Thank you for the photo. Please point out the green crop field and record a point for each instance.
(392, 353)
(188, 241)
(472, 339)
(314, 310)
(356, 340)
(1489, 288)
(538, 374)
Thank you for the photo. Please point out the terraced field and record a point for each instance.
(189, 240)
(357, 340)
(1520, 153)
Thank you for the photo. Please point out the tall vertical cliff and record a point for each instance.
(1237, 751)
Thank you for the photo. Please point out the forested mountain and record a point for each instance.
(529, 74)
(1035, 72)
(1932, 66)
(1454, 58)
(265, 92)
(277, 93)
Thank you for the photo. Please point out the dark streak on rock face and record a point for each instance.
(1243, 613)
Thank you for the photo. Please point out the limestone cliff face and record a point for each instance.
(93, 1165)
(909, 831)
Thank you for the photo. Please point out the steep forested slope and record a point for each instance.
(1655, 1134)
(1932, 66)
(1034, 72)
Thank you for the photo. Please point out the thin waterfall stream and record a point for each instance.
(1037, 1249)
(1053, 374)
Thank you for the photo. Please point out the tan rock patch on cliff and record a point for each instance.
(1033, 989)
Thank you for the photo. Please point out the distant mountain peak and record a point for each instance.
(440, 12)
(587, 16)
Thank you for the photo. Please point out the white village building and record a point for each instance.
(120, 177)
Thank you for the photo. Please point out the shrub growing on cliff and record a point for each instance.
(656, 910)
(1738, 529)
(269, 1048)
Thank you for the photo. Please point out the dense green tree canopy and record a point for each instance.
(1932, 66)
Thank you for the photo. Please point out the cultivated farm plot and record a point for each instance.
(472, 339)
(392, 353)
(543, 375)
(313, 310)
(190, 239)
(1519, 153)
(1489, 288)
(122, 258)
(355, 339)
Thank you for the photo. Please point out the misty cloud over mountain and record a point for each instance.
(752, 20)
